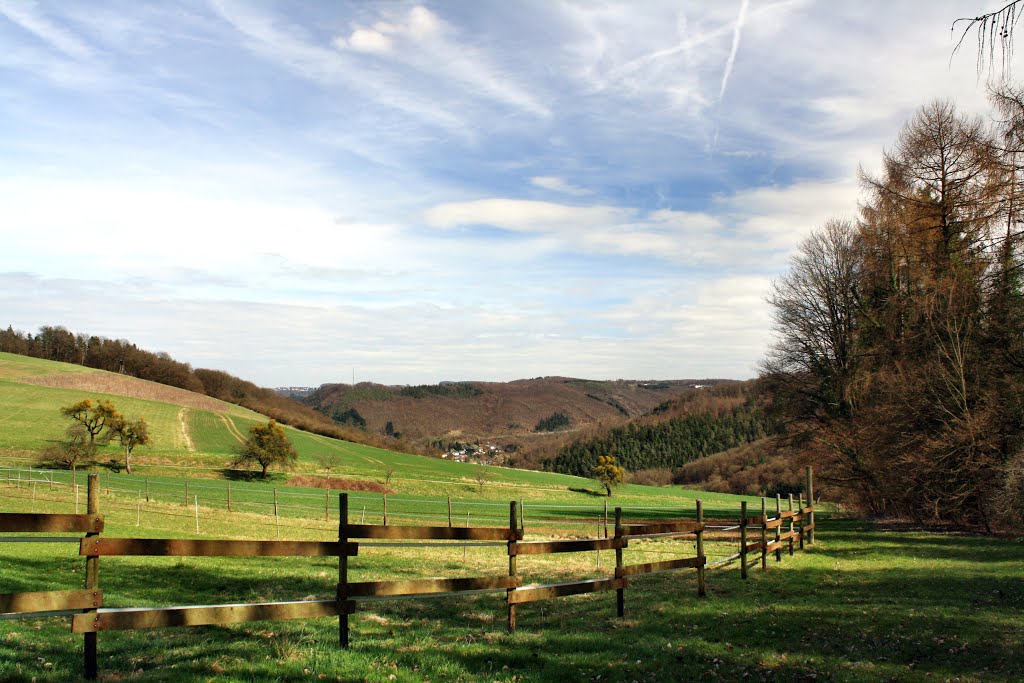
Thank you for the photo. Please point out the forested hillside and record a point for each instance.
(525, 415)
(898, 364)
(677, 432)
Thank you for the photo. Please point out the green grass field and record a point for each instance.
(203, 441)
(864, 604)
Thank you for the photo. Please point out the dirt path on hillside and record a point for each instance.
(232, 429)
(189, 446)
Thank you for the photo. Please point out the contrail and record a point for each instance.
(736, 30)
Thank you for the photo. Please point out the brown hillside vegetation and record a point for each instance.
(339, 484)
(507, 412)
(132, 387)
(763, 467)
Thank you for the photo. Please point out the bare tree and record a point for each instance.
(480, 477)
(991, 29)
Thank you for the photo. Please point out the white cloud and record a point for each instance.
(350, 167)
(556, 184)
(522, 215)
(366, 40)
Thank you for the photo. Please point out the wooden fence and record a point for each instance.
(89, 617)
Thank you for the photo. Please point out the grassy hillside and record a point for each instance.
(865, 604)
(201, 436)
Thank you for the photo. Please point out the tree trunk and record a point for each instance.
(127, 460)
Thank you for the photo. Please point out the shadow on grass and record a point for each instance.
(588, 492)
(252, 476)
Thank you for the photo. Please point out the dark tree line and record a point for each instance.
(667, 444)
(898, 363)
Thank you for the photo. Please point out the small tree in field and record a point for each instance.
(609, 473)
(328, 462)
(267, 445)
(130, 433)
(93, 418)
(480, 477)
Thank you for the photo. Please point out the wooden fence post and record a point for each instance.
(512, 545)
(386, 509)
(275, 501)
(810, 503)
(620, 593)
(92, 577)
(147, 489)
(701, 560)
(449, 512)
(764, 534)
(327, 505)
(606, 518)
(792, 526)
(800, 502)
(778, 528)
(342, 592)
(743, 540)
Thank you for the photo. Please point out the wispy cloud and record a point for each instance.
(736, 32)
(419, 188)
(28, 17)
(556, 184)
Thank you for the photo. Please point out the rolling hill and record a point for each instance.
(194, 436)
(504, 413)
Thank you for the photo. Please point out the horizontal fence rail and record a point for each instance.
(771, 534)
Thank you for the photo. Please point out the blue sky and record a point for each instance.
(442, 191)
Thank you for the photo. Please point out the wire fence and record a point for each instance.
(213, 504)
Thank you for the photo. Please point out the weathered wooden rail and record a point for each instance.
(89, 617)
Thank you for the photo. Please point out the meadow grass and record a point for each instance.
(864, 604)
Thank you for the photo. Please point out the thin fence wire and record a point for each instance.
(543, 517)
